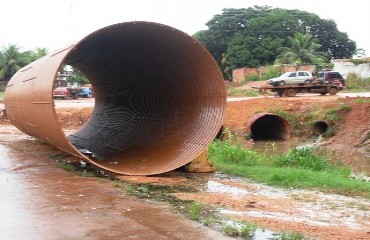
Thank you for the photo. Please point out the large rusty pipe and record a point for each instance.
(159, 98)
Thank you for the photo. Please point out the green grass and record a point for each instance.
(362, 100)
(232, 91)
(68, 167)
(2, 94)
(194, 210)
(357, 84)
(299, 168)
(293, 236)
(243, 229)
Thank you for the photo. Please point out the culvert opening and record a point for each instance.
(159, 98)
(268, 126)
(320, 127)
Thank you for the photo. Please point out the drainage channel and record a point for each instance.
(268, 126)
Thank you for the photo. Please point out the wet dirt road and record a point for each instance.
(39, 200)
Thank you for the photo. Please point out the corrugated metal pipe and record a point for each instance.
(159, 98)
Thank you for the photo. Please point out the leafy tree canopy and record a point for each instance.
(303, 49)
(12, 59)
(253, 36)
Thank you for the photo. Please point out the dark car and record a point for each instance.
(331, 77)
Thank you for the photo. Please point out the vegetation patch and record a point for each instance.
(251, 77)
(355, 83)
(270, 72)
(297, 120)
(293, 236)
(236, 228)
(232, 91)
(298, 168)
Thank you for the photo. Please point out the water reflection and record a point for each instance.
(272, 147)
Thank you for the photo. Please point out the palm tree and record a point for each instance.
(11, 60)
(303, 50)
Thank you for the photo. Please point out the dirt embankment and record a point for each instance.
(348, 118)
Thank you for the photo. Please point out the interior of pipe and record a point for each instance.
(159, 98)
(320, 127)
(270, 127)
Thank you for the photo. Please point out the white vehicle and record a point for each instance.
(292, 78)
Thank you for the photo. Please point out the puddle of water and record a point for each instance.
(334, 209)
(273, 215)
(276, 147)
(216, 187)
(13, 207)
(272, 147)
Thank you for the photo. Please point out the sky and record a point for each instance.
(53, 24)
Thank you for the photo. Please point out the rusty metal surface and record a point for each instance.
(268, 126)
(159, 98)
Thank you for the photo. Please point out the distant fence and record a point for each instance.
(3, 85)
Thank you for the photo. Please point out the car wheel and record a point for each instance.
(281, 83)
(291, 92)
(307, 82)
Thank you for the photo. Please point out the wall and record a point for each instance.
(344, 67)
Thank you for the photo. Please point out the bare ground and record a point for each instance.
(62, 205)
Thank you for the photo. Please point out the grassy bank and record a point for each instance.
(2, 95)
(299, 168)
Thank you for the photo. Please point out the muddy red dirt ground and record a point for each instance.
(41, 201)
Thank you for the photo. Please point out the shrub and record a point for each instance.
(304, 158)
(355, 82)
(251, 77)
(271, 72)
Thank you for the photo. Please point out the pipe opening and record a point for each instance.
(320, 127)
(267, 126)
(159, 98)
(221, 133)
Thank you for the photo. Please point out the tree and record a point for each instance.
(36, 54)
(77, 76)
(270, 28)
(250, 51)
(303, 50)
(11, 60)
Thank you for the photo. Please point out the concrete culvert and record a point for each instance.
(159, 98)
(320, 127)
(268, 126)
